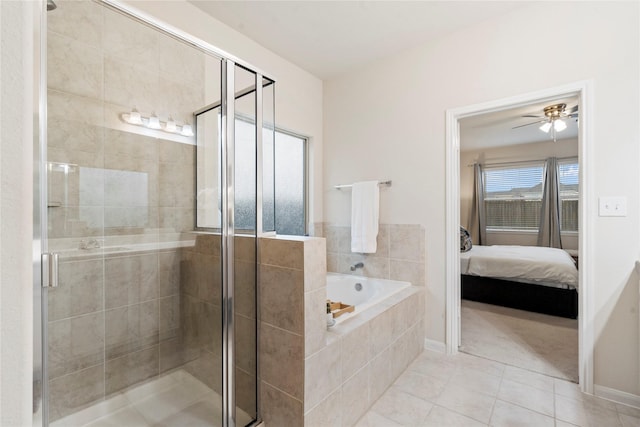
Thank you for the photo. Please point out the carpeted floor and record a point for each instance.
(532, 341)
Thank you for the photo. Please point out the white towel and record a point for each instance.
(365, 197)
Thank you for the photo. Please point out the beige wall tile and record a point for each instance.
(315, 264)
(131, 328)
(131, 369)
(383, 328)
(327, 413)
(282, 253)
(75, 344)
(129, 86)
(315, 322)
(72, 392)
(355, 350)
(169, 317)
(280, 409)
(128, 39)
(282, 298)
(174, 182)
(322, 374)
(169, 264)
(408, 271)
(131, 279)
(78, 20)
(406, 242)
(333, 261)
(245, 248)
(176, 219)
(245, 288)
(80, 290)
(246, 386)
(338, 238)
(382, 242)
(209, 243)
(380, 374)
(355, 396)
(74, 67)
(245, 341)
(282, 360)
(174, 152)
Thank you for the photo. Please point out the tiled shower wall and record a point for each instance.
(400, 252)
(102, 64)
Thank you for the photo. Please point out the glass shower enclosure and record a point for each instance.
(148, 231)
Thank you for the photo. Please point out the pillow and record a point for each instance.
(465, 240)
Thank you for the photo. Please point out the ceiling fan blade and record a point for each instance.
(573, 110)
(529, 124)
(533, 116)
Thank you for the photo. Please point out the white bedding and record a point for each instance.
(532, 264)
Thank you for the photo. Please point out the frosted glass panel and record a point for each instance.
(290, 184)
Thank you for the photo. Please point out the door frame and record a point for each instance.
(584, 91)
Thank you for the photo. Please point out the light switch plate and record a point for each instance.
(613, 206)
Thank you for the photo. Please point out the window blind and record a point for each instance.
(513, 196)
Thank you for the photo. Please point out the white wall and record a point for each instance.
(505, 154)
(298, 93)
(15, 213)
(387, 120)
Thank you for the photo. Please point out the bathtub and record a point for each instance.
(361, 292)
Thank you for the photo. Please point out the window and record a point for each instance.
(288, 164)
(284, 177)
(513, 195)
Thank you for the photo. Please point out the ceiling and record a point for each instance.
(328, 38)
(496, 129)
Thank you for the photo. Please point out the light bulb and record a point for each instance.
(559, 125)
(134, 117)
(171, 125)
(154, 122)
(186, 130)
(546, 127)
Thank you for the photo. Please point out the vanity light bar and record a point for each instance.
(153, 122)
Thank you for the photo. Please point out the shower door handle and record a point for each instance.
(50, 270)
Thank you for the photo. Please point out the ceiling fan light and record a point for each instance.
(546, 127)
(559, 125)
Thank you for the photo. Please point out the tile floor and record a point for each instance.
(174, 400)
(533, 341)
(464, 390)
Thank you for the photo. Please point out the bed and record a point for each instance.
(544, 280)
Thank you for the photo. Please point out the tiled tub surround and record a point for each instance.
(314, 377)
(400, 252)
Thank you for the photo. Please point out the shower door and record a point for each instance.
(140, 328)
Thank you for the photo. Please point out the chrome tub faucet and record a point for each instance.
(354, 267)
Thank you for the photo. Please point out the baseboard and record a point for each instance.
(617, 395)
(436, 346)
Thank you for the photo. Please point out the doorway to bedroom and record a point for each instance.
(519, 290)
(514, 273)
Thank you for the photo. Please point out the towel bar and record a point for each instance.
(339, 187)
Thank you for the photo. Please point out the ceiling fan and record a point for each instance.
(553, 119)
